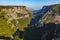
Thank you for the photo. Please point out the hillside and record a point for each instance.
(52, 15)
(13, 18)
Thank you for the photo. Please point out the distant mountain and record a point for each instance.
(41, 11)
(32, 11)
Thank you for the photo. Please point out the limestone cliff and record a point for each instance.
(12, 18)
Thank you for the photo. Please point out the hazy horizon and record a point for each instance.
(34, 4)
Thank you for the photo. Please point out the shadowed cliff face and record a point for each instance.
(13, 18)
(48, 31)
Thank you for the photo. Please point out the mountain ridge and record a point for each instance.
(52, 11)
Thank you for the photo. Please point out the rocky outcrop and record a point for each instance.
(13, 18)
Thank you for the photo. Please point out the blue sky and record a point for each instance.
(35, 4)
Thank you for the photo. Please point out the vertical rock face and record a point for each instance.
(12, 18)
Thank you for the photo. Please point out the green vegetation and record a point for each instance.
(6, 29)
(16, 38)
(23, 23)
(13, 22)
(20, 14)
